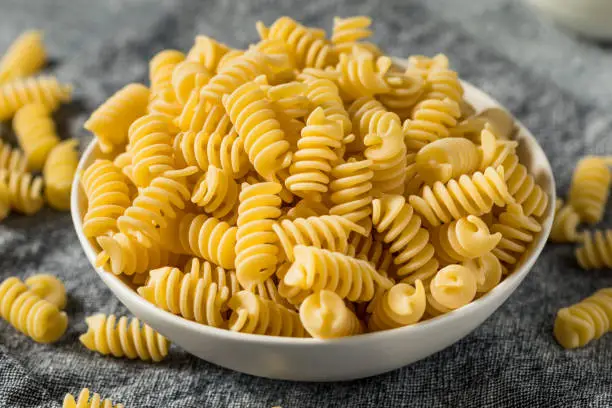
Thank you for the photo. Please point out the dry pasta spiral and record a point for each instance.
(517, 230)
(422, 64)
(108, 196)
(404, 91)
(348, 32)
(443, 83)
(154, 206)
(216, 192)
(196, 111)
(111, 121)
(326, 231)
(256, 250)
(37, 318)
(188, 295)
(565, 224)
(432, 120)
(467, 195)
(224, 278)
(401, 305)
(123, 337)
(207, 52)
(364, 113)
(36, 134)
(325, 316)
(185, 76)
(24, 191)
(466, 238)
(351, 191)
(161, 67)
(318, 269)
(444, 159)
(49, 288)
(58, 173)
(372, 250)
(362, 75)
(12, 159)
(44, 90)
(315, 153)
(257, 125)
(324, 93)
(596, 250)
(579, 324)
(409, 242)
(83, 401)
(256, 315)
(25, 57)
(487, 269)
(453, 286)
(590, 188)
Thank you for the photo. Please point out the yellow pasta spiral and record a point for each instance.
(431, 120)
(24, 191)
(49, 288)
(453, 286)
(308, 49)
(408, 240)
(123, 254)
(401, 305)
(165, 104)
(365, 113)
(58, 173)
(258, 127)
(315, 153)
(224, 278)
(565, 224)
(596, 250)
(37, 318)
(443, 83)
(325, 316)
(351, 191)
(256, 249)
(362, 75)
(324, 93)
(12, 159)
(466, 238)
(326, 231)
(185, 76)
(44, 90)
(111, 121)
(371, 249)
(161, 67)
(216, 192)
(196, 111)
(207, 51)
(123, 337)
(447, 158)
(317, 269)
(108, 196)
(467, 195)
(187, 295)
(83, 401)
(487, 269)
(36, 134)
(306, 208)
(590, 188)
(229, 58)
(517, 230)
(579, 324)
(404, 91)
(347, 32)
(24, 57)
(151, 147)
(155, 205)
(253, 314)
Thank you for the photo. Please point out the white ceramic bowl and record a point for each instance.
(340, 359)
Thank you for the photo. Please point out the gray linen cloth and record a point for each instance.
(560, 87)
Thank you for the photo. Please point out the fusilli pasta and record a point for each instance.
(24, 191)
(49, 288)
(83, 401)
(401, 305)
(590, 188)
(36, 134)
(596, 249)
(24, 57)
(58, 173)
(453, 286)
(517, 230)
(325, 316)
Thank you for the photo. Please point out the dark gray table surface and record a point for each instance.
(559, 86)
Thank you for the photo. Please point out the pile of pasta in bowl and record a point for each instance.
(305, 186)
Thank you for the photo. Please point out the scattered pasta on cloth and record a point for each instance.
(304, 186)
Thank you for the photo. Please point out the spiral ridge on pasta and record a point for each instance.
(256, 249)
(365, 113)
(187, 295)
(487, 269)
(44, 90)
(372, 250)
(326, 231)
(185, 76)
(408, 240)
(258, 127)
(324, 93)
(24, 57)
(224, 278)
(579, 324)
(207, 52)
(404, 92)
(467, 195)
(362, 75)
(12, 159)
(518, 231)
(83, 401)
(590, 188)
(253, 314)
(37, 318)
(324, 315)
(58, 173)
(466, 238)
(24, 191)
(401, 305)
(165, 104)
(123, 337)
(315, 153)
(196, 111)
(154, 206)
(453, 286)
(36, 134)
(111, 121)
(308, 49)
(49, 288)
(565, 223)
(443, 83)
(351, 191)
(216, 192)
(423, 65)
(348, 32)
(448, 158)
(161, 67)
(108, 196)
(318, 269)
(432, 120)
(596, 249)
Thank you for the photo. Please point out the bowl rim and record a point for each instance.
(114, 283)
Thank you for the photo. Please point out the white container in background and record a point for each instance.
(591, 18)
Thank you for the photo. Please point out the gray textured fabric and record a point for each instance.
(558, 86)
